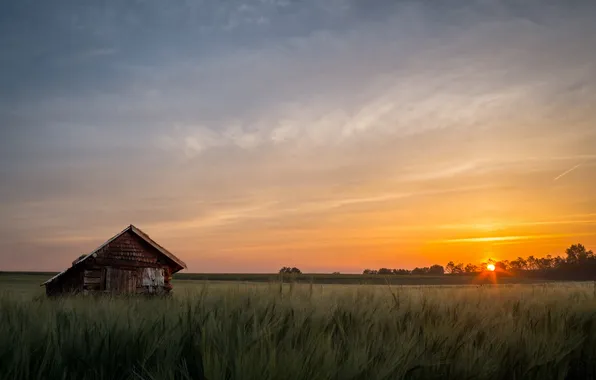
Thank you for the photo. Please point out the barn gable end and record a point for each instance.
(130, 249)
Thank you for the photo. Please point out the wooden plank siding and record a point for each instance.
(122, 280)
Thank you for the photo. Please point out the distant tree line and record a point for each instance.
(576, 257)
(578, 263)
(432, 270)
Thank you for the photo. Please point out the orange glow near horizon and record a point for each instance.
(347, 241)
(349, 244)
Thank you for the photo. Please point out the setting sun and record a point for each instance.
(490, 267)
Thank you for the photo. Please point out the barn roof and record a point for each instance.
(137, 232)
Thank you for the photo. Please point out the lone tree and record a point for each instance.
(290, 270)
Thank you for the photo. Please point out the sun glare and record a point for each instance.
(490, 267)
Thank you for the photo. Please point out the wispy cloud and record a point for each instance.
(580, 219)
(512, 238)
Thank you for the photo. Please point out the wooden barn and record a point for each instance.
(128, 263)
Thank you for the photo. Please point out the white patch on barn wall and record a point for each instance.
(153, 278)
(160, 277)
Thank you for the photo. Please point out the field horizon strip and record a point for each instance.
(302, 331)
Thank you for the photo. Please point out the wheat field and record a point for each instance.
(299, 331)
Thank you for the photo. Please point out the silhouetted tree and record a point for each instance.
(502, 265)
(532, 263)
(459, 268)
(436, 269)
(387, 271)
(453, 268)
(423, 270)
(289, 270)
(558, 262)
(471, 268)
(518, 264)
(577, 253)
(545, 263)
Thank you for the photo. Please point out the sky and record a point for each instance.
(331, 135)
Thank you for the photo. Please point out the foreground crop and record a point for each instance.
(236, 331)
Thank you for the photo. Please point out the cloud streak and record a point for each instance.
(500, 239)
(567, 171)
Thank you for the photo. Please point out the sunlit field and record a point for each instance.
(241, 330)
